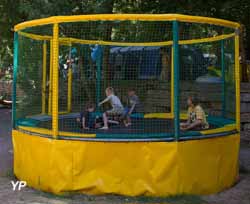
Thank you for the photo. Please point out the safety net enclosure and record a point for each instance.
(63, 66)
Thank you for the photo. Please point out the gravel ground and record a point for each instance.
(5, 141)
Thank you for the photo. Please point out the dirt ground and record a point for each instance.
(239, 194)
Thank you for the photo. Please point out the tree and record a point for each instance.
(15, 11)
(9, 16)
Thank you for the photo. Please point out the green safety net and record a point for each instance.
(136, 72)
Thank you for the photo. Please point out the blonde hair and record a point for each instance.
(110, 89)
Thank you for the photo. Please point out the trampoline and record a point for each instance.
(64, 63)
(141, 128)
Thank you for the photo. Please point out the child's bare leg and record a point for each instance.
(128, 120)
(125, 121)
(183, 125)
(105, 120)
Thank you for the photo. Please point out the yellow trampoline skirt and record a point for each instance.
(128, 168)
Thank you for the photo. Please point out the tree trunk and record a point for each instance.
(244, 74)
(106, 6)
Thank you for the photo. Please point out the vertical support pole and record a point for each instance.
(44, 77)
(15, 68)
(172, 82)
(223, 78)
(176, 79)
(69, 97)
(50, 77)
(55, 86)
(237, 77)
(69, 104)
(98, 77)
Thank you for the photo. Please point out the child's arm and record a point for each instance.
(188, 117)
(132, 109)
(83, 124)
(193, 125)
(104, 101)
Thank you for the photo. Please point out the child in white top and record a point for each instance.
(117, 107)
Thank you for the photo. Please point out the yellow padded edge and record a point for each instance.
(44, 131)
(71, 134)
(63, 112)
(125, 17)
(183, 116)
(69, 41)
(229, 127)
(158, 115)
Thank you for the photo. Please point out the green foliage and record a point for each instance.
(9, 16)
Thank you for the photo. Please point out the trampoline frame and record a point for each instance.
(56, 161)
(30, 125)
(55, 41)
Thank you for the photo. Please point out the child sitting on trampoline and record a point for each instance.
(196, 116)
(133, 106)
(117, 107)
(87, 118)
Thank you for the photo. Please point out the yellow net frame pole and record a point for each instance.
(237, 77)
(44, 77)
(50, 77)
(127, 17)
(69, 90)
(69, 97)
(69, 41)
(55, 75)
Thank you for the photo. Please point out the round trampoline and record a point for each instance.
(63, 66)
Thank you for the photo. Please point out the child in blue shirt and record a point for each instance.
(87, 118)
(133, 106)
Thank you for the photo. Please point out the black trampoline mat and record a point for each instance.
(139, 126)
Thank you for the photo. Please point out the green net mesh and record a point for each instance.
(139, 74)
(29, 77)
(118, 31)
